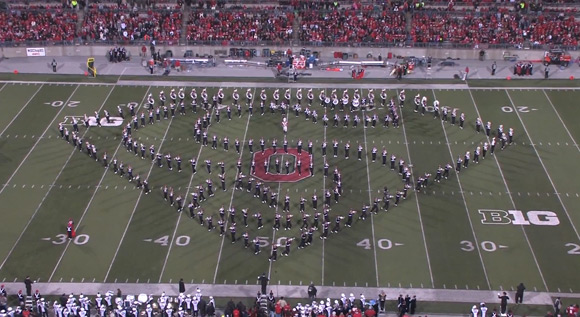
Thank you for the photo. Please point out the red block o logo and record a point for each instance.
(281, 175)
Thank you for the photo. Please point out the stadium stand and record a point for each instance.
(461, 23)
(108, 24)
(248, 25)
(352, 26)
(499, 27)
(54, 25)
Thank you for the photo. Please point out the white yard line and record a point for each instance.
(508, 191)
(416, 198)
(562, 121)
(323, 190)
(185, 199)
(273, 235)
(38, 140)
(21, 109)
(370, 197)
(277, 195)
(243, 145)
(137, 202)
(140, 194)
(49, 187)
(465, 202)
(544, 167)
(94, 192)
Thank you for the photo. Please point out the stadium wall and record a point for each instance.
(325, 53)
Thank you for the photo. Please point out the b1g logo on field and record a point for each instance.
(519, 218)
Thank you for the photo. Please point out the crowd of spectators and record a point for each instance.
(126, 25)
(320, 22)
(37, 25)
(501, 27)
(353, 26)
(247, 25)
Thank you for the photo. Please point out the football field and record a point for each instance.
(511, 218)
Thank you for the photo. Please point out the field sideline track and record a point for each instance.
(290, 291)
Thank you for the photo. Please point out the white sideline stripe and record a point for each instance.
(370, 198)
(21, 109)
(138, 198)
(243, 145)
(460, 86)
(465, 204)
(50, 187)
(511, 198)
(94, 192)
(37, 82)
(417, 199)
(38, 140)
(545, 169)
(562, 121)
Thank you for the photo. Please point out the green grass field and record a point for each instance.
(439, 238)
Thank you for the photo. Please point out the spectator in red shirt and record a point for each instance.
(370, 312)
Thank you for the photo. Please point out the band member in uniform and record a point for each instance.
(286, 251)
(235, 96)
(257, 246)
(402, 98)
(246, 237)
(70, 229)
(285, 125)
(274, 254)
(233, 232)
